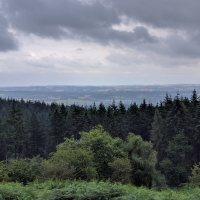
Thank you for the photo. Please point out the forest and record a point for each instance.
(155, 146)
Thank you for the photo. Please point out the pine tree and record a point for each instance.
(156, 134)
(16, 135)
(176, 167)
(36, 141)
(101, 112)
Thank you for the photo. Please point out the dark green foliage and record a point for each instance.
(69, 190)
(37, 140)
(176, 166)
(121, 170)
(30, 128)
(143, 160)
(35, 128)
(156, 136)
(68, 163)
(104, 148)
(195, 176)
(81, 190)
(15, 133)
(20, 170)
(96, 155)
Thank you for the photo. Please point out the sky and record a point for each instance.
(99, 42)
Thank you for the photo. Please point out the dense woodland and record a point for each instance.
(149, 142)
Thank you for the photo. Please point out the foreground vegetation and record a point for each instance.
(95, 156)
(96, 166)
(81, 190)
(146, 145)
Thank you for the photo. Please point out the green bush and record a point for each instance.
(121, 170)
(69, 164)
(59, 169)
(195, 177)
(20, 170)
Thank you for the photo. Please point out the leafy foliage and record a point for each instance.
(28, 129)
(175, 165)
(20, 170)
(143, 160)
(105, 149)
(195, 177)
(68, 190)
(70, 164)
(121, 170)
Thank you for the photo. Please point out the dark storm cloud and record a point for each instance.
(142, 34)
(93, 22)
(7, 40)
(71, 19)
(177, 14)
(185, 47)
(139, 36)
(58, 18)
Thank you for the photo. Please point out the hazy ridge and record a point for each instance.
(87, 95)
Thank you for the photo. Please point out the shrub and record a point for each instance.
(20, 170)
(122, 169)
(195, 177)
(69, 164)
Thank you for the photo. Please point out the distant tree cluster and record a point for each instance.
(172, 127)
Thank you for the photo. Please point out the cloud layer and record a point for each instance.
(7, 40)
(128, 34)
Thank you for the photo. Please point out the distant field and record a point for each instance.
(87, 95)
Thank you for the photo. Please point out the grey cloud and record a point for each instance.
(142, 34)
(58, 18)
(7, 39)
(71, 19)
(92, 22)
(79, 49)
(120, 59)
(41, 64)
(176, 46)
(182, 14)
(179, 46)
(135, 39)
(179, 15)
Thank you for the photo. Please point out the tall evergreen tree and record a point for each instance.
(176, 167)
(156, 134)
(15, 132)
(36, 141)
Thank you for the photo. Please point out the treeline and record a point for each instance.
(28, 129)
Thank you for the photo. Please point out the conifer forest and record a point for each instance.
(155, 146)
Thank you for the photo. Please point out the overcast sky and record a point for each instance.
(99, 42)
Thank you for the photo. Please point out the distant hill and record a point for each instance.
(87, 95)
